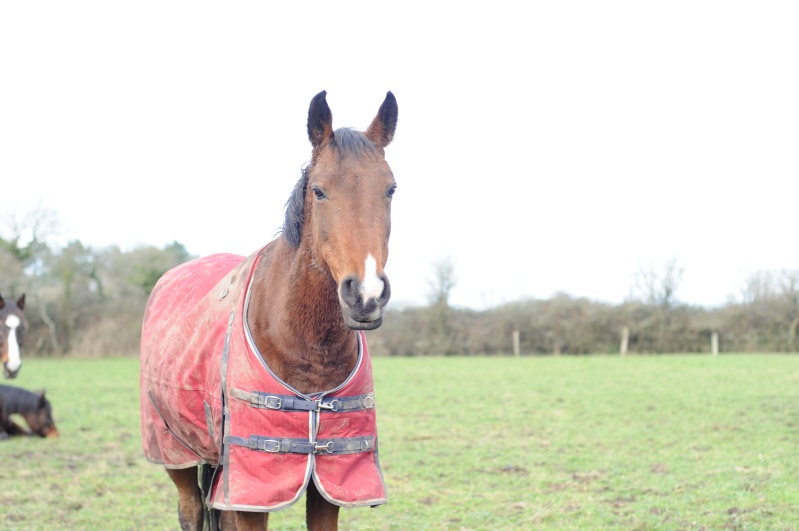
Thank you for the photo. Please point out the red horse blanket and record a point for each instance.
(207, 396)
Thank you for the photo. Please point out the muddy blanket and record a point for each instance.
(208, 397)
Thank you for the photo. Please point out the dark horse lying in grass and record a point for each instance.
(12, 332)
(256, 368)
(33, 407)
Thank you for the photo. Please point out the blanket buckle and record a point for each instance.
(271, 446)
(272, 402)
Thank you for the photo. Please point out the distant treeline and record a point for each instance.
(567, 325)
(652, 321)
(90, 302)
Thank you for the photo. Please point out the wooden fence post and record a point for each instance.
(714, 343)
(516, 348)
(625, 340)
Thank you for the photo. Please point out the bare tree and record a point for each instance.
(789, 281)
(659, 286)
(442, 282)
(440, 285)
(25, 235)
(771, 301)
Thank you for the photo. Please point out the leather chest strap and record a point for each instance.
(349, 445)
(262, 400)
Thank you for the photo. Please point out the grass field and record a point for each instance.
(666, 442)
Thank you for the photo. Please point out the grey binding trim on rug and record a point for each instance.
(225, 457)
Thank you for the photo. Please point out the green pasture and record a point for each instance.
(660, 442)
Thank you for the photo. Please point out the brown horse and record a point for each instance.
(31, 406)
(12, 333)
(286, 321)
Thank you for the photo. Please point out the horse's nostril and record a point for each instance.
(348, 289)
(386, 294)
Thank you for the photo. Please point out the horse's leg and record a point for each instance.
(249, 521)
(190, 502)
(227, 521)
(320, 514)
(4, 427)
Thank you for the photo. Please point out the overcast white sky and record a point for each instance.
(543, 146)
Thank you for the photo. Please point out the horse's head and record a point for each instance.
(12, 333)
(40, 417)
(345, 219)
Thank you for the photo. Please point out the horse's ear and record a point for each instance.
(42, 400)
(2, 302)
(381, 130)
(320, 120)
(21, 302)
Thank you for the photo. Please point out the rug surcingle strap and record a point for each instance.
(350, 445)
(294, 403)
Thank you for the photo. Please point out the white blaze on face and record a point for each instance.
(372, 285)
(12, 321)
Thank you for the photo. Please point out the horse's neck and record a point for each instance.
(295, 319)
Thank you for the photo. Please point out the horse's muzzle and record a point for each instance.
(361, 309)
(9, 374)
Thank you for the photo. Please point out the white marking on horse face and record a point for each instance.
(372, 285)
(14, 361)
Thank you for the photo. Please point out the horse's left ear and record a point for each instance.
(21, 302)
(42, 399)
(381, 130)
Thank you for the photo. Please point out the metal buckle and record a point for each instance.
(368, 402)
(317, 447)
(265, 449)
(273, 398)
(328, 405)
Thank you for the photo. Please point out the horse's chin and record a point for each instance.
(362, 325)
(11, 375)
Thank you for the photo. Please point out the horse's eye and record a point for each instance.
(318, 193)
(390, 192)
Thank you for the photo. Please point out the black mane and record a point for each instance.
(295, 210)
(346, 141)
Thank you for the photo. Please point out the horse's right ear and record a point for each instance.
(320, 120)
(21, 302)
